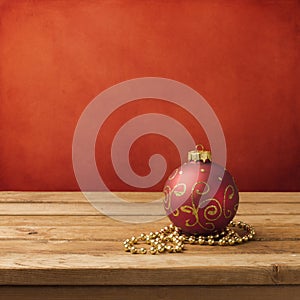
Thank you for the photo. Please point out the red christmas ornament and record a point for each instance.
(201, 196)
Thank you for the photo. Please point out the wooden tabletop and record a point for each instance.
(59, 239)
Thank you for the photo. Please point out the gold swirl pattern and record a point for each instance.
(189, 209)
(173, 175)
(236, 206)
(167, 200)
(213, 212)
(176, 212)
(177, 193)
(194, 210)
(186, 208)
(198, 191)
(229, 196)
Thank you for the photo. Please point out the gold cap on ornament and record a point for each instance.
(199, 155)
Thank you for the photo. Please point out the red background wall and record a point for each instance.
(56, 56)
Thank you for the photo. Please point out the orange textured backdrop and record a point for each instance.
(56, 56)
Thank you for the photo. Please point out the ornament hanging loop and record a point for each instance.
(197, 147)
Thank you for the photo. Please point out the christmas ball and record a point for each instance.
(201, 196)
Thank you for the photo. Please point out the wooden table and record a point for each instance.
(58, 246)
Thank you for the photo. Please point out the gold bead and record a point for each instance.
(231, 232)
(127, 241)
(245, 238)
(161, 236)
(210, 237)
(127, 247)
(181, 246)
(192, 239)
(221, 242)
(160, 249)
(201, 241)
(210, 242)
(143, 236)
(143, 251)
(176, 234)
(175, 240)
(250, 236)
(133, 240)
(231, 242)
(133, 250)
(177, 229)
(239, 240)
(153, 250)
(177, 249)
(181, 238)
(169, 248)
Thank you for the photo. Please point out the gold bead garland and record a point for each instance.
(171, 239)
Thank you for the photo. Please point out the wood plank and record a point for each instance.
(74, 269)
(78, 197)
(84, 209)
(96, 247)
(116, 232)
(257, 220)
(151, 292)
(47, 241)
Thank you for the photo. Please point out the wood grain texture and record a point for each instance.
(78, 197)
(100, 220)
(61, 239)
(111, 269)
(119, 209)
(138, 292)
